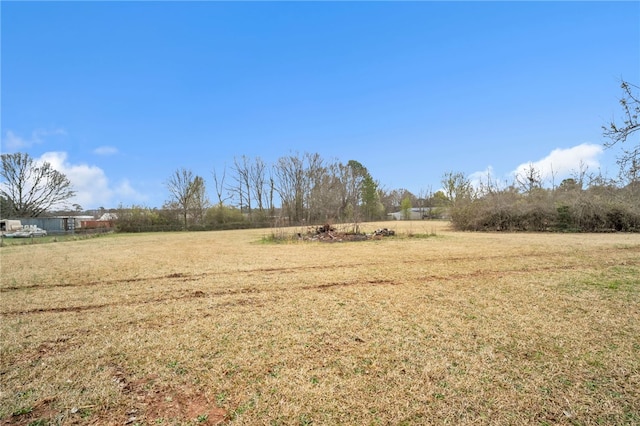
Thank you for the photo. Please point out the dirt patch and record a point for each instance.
(29, 415)
(153, 403)
(179, 404)
(150, 404)
(46, 349)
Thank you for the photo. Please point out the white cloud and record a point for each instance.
(563, 163)
(12, 142)
(560, 164)
(91, 184)
(484, 177)
(105, 150)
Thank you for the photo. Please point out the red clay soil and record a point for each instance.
(149, 404)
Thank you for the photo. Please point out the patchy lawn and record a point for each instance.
(223, 328)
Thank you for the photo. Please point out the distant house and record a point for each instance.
(108, 216)
(418, 213)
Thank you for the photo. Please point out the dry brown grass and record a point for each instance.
(218, 327)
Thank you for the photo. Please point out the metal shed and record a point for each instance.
(54, 225)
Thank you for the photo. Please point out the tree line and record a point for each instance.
(296, 189)
(307, 188)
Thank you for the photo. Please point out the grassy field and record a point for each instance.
(428, 327)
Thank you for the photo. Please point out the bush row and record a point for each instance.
(546, 210)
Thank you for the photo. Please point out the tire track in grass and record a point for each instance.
(195, 294)
(183, 277)
(177, 276)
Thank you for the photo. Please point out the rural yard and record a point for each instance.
(427, 326)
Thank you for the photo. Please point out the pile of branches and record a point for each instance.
(330, 234)
(384, 232)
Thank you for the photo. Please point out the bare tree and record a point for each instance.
(580, 174)
(219, 186)
(314, 181)
(553, 176)
(242, 179)
(456, 186)
(390, 198)
(272, 190)
(488, 185)
(327, 193)
(618, 132)
(257, 180)
(31, 188)
(187, 192)
(289, 177)
(199, 199)
(353, 175)
(529, 179)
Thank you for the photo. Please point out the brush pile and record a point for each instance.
(330, 234)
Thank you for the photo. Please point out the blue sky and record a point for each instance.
(118, 95)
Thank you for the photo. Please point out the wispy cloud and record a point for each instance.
(106, 150)
(13, 142)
